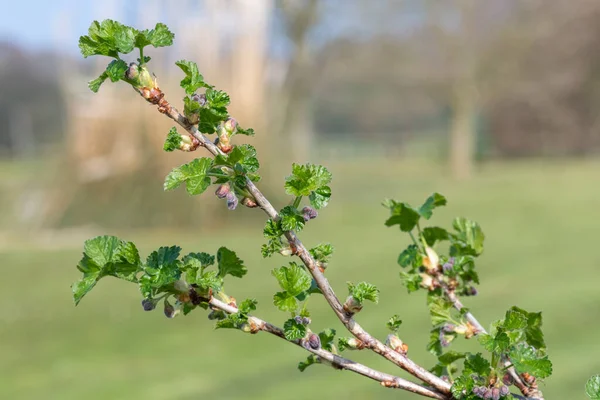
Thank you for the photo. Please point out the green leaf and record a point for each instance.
(475, 363)
(440, 311)
(102, 249)
(230, 264)
(494, 344)
(214, 111)
(533, 330)
(116, 70)
(469, 235)
(208, 279)
(247, 306)
(514, 320)
(410, 257)
(592, 387)
(412, 281)
(527, 359)
(95, 84)
(108, 38)
(198, 260)
(310, 180)
(293, 279)
(327, 339)
(404, 215)
(433, 234)
(272, 247)
(432, 202)
(242, 155)
(247, 132)
(194, 174)
(364, 291)
(285, 302)
(462, 387)
(193, 79)
(322, 252)
(310, 360)
(291, 219)
(84, 285)
(173, 140)
(394, 323)
(293, 330)
(160, 36)
(450, 357)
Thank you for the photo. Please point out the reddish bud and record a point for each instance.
(504, 391)
(249, 202)
(230, 125)
(309, 213)
(314, 341)
(507, 379)
(222, 191)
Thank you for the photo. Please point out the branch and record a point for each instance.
(337, 361)
(530, 392)
(353, 327)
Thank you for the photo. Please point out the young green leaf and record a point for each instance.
(494, 344)
(450, 357)
(214, 111)
(116, 70)
(327, 338)
(229, 263)
(410, 257)
(247, 132)
(404, 215)
(194, 174)
(394, 323)
(160, 36)
(310, 360)
(193, 79)
(243, 156)
(440, 311)
(432, 202)
(108, 38)
(294, 330)
(469, 239)
(173, 140)
(291, 219)
(248, 306)
(433, 234)
(527, 359)
(198, 260)
(592, 387)
(412, 281)
(322, 252)
(293, 279)
(310, 180)
(475, 363)
(462, 387)
(364, 291)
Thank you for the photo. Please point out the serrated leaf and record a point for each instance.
(160, 36)
(412, 281)
(394, 323)
(194, 174)
(404, 215)
(247, 132)
(293, 279)
(293, 330)
(310, 180)
(108, 38)
(322, 252)
(327, 338)
(116, 70)
(450, 357)
(248, 305)
(592, 387)
(193, 79)
(84, 286)
(433, 234)
(320, 197)
(173, 140)
(310, 360)
(440, 311)
(198, 260)
(533, 331)
(363, 291)
(214, 111)
(527, 359)
(462, 387)
(229, 263)
(243, 155)
(494, 344)
(469, 235)
(432, 202)
(475, 363)
(291, 219)
(285, 302)
(410, 257)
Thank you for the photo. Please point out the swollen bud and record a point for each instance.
(181, 286)
(200, 99)
(148, 304)
(222, 191)
(449, 265)
(395, 343)
(309, 213)
(495, 394)
(352, 306)
(507, 379)
(169, 310)
(132, 72)
(432, 260)
(504, 390)
(249, 202)
(232, 201)
(230, 125)
(314, 341)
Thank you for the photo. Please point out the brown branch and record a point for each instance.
(529, 392)
(386, 380)
(372, 343)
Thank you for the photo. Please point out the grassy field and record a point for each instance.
(542, 226)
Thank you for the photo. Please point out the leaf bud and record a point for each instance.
(249, 202)
(395, 343)
(286, 251)
(314, 341)
(507, 379)
(432, 260)
(132, 72)
(200, 99)
(426, 281)
(222, 191)
(352, 306)
(148, 304)
(309, 213)
(230, 125)
(232, 201)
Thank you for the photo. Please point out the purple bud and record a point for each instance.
(471, 291)
(132, 72)
(507, 379)
(232, 201)
(447, 267)
(200, 98)
(496, 393)
(487, 394)
(448, 328)
(309, 213)
(314, 341)
(478, 390)
(504, 390)
(306, 320)
(148, 305)
(298, 319)
(222, 191)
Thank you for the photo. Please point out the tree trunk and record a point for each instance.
(462, 130)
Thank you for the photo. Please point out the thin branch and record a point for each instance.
(353, 327)
(531, 393)
(337, 361)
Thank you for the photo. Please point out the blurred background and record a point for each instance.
(492, 103)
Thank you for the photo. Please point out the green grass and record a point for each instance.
(541, 223)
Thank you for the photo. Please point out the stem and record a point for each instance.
(142, 62)
(413, 239)
(353, 327)
(297, 201)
